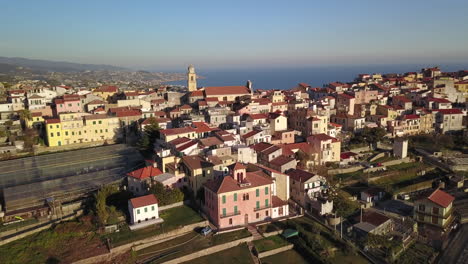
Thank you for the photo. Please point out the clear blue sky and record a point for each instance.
(171, 34)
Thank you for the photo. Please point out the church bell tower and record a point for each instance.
(191, 79)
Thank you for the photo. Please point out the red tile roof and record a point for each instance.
(176, 131)
(198, 93)
(128, 113)
(228, 184)
(226, 90)
(300, 175)
(449, 111)
(277, 202)
(441, 198)
(411, 116)
(250, 134)
(107, 89)
(145, 172)
(52, 121)
(259, 116)
(142, 201)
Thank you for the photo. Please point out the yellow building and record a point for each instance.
(435, 209)
(105, 91)
(36, 118)
(197, 171)
(387, 111)
(74, 128)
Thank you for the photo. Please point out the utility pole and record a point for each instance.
(341, 228)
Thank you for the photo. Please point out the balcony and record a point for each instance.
(262, 208)
(230, 214)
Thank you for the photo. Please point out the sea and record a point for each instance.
(316, 76)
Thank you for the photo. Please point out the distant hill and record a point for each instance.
(56, 66)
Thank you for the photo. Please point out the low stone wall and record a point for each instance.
(361, 149)
(396, 162)
(345, 170)
(274, 233)
(377, 156)
(140, 244)
(39, 229)
(275, 251)
(209, 251)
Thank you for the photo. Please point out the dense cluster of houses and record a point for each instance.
(246, 153)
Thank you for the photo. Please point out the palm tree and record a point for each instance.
(25, 114)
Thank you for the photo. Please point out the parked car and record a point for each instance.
(206, 230)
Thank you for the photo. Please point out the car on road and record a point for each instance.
(206, 230)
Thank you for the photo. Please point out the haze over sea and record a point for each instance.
(316, 76)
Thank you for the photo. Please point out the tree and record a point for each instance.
(166, 195)
(150, 135)
(25, 114)
(103, 212)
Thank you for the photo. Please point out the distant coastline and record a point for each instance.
(287, 78)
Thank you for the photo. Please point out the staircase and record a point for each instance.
(256, 235)
(255, 259)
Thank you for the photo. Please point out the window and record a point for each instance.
(266, 213)
(73, 133)
(245, 197)
(435, 210)
(266, 190)
(57, 126)
(66, 133)
(106, 130)
(235, 209)
(257, 192)
(51, 134)
(138, 211)
(224, 211)
(230, 221)
(258, 215)
(266, 202)
(146, 209)
(257, 205)
(435, 220)
(224, 199)
(100, 122)
(422, 207)
(235, 197)
(152, 208)
(58, 134)
(94, 122)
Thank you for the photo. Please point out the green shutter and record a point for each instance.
(257, 192)
(138, 211)
(266, 190)
(258, 204)
(235, 197)
(235, 209)
(266, 202)
(146, 209)
(224, 199)
(224, 211)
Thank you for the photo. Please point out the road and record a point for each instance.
(457, 250)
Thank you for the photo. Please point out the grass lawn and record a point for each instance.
(187, 244)
(348, 259)
(384, 159)
(269, 243)
(290, 256)
(173, 219)
(64, 243)
(235, 255)
(271, 227)
(349, 176)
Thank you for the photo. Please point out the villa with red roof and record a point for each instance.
(242, 197)
(143, 211)
(434, 208)
(227, 93)
(140, 180)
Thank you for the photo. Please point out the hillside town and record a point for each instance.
(371, 170)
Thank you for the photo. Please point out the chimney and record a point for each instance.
(249, 86)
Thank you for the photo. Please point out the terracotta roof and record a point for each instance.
(187, 145)
(228, 184)
(186, 107)
(238, 166)
(202, 127)
(52, 121)
(226, 90)
(96, 102)
(145, 172)
(97, 116)
(251, 133)
(411, 116)
(449, 111)
(259, 147)
(300, 175)
(131, 94)
(198, 93)
(347, 155)
(277, 202)
(179, 141)
(346, 96)
(128, 113)
(142, 201)
(210, 141)
(175, 131)
(196, 162)
(107, 89)
(281, 160)
(35, 96)
(441, 198)
(439, 100)
(323, 137)
(373, 218)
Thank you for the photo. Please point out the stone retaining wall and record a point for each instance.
(345, 170)
(142, 243)
(274, 233)
(162, 208)
(209, 251)
(275, 251)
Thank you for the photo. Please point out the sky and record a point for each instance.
(166, 35)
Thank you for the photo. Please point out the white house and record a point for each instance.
(143, 211)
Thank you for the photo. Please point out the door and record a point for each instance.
(246, 219)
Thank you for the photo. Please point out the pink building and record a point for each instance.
(69, 103)
(345, 103)
(365, 96)
(241, 198)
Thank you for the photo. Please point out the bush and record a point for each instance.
(166, 195)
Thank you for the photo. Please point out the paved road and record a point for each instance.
(457, 251)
